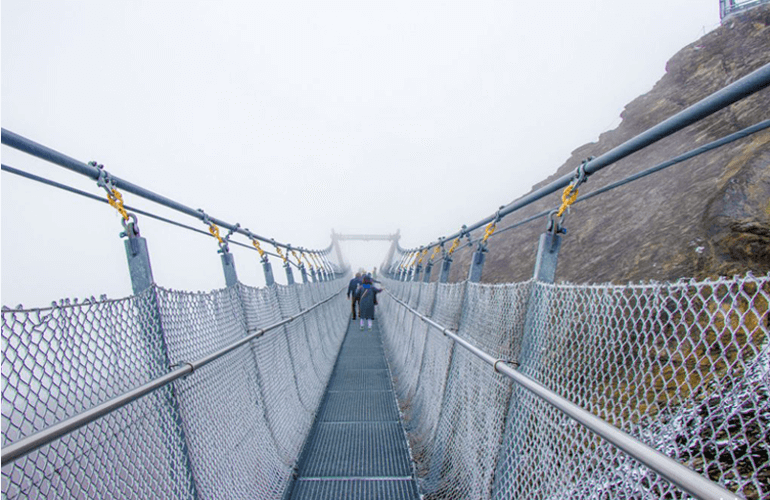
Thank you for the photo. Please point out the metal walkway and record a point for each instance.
(357, 447)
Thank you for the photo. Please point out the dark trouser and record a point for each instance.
(353, 302)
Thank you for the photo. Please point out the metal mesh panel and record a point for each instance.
(231, 429)
(60, 361)
(683, 367)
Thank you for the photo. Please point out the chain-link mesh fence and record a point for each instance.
(683, 367)
(232, 429)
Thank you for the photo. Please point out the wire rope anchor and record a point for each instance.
(115, 199)
(569, 195)
(286, 261)
(436, 250)
(490, 230)
(213, 228)
(257, 246)
(228, 260)
(280, 252)
(226, 239)
(300, 264)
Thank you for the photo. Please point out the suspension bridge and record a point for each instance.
(461, 390)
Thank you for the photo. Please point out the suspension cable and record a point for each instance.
(746, 132)
(37, 150)
(743, 87)
(64, 187)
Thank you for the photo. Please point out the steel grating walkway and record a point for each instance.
(357, 448)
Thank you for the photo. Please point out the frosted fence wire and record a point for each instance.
(232, 429)
(684, 367)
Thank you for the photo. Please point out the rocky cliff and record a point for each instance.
(704, 217)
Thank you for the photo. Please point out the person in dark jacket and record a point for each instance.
(352, 289)
(367, 295)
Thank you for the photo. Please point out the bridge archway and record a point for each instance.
(340, 237)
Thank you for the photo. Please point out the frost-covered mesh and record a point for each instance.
(232, 429)
(683, 367)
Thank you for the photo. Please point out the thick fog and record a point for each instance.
(296, 118)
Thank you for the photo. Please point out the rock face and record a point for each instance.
(707, 216)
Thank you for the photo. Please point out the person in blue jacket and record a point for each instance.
(352, 288)
(367, 295)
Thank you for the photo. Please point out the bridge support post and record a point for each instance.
(289, 274)
(228, 266)
(138, 260)
(446, 265)
(141, 279)
(477, 265)
(417, 273)
(547, 257)
(531, 347)
(313, 276)
(428, 270)
(268, 269)
(303, 273)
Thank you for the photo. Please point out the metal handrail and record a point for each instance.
(64, 187)
(741, 134)
(37, 150)
(30, 443)
(676, 473)
(749, 84)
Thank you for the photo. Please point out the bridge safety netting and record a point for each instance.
(233, 428)
(684, 367)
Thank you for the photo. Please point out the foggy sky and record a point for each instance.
(293, 118)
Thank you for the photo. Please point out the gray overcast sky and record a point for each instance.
(294, 118)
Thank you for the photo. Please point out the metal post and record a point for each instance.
(138, 260)
(228, 265)
(417, 272)
(303, 272)
(530, 352)
(313, 275)
(141, 279)
(477, 265)
(547, 257)
(289, 274)
(268, 269)
(446, 265)
(428, 270)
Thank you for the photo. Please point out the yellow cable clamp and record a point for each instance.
(567, 199)
(299, 261)
(416, 256)
(259, 248)
(280, 253)
(436, 250)
(115, 199)
(455, 244)
(214, 230)
(422, 256)
(489, 230)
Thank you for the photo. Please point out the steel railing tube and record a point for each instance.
(30, 443)
(130, 208)
(676, 473)
(753, 129)
(16, 141)
(749, 84)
